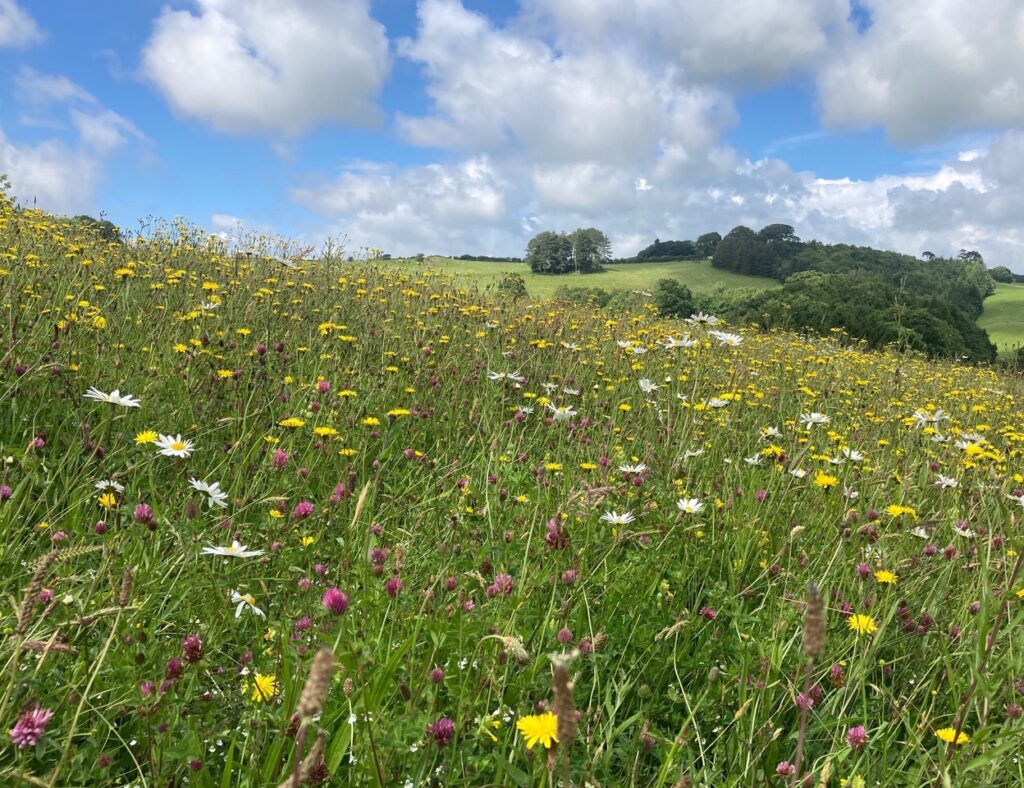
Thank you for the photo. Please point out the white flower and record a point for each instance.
(1018, 498)
(561, 413)
(622, 343)
(753, 459)
(850, 493)
(549, 387)
(245, 601)
(617, 519)
(963, 530)
(671, 343)
(526, 409)
(646, 386)
(109, 484)
(639, 468)
(571, 392)
(945, 482)
(725, 338)
(209, 306)
(770, 432)
(837, 461)
(570, 346)
(515, 377)
(638, 350)
(689, 505)
(799, 473)
(690, 453)
(236, 550)
(923, 418)
(940, 438)
(115, 397)
(920, 532)
(215, 495)
(853, 455)
(717, 402)
(700, 317)
(174, 447)
(810, 419)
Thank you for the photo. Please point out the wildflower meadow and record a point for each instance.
(302, 522)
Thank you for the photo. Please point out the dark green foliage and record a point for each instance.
(512, 285)
(482, 258)
(708, 243)
(106, 230)
(1001, 274)
(673, 298)
(584, 296)
(583, 251)
(670, 250)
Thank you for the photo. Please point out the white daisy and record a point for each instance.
(245, 601)
(515, 377)
(671, 343)
(700, 317)
(690, 453)
(770, 432)
(946, 482)
(919, 532)
(853, 455)
(753, 459)
(174, 446)
(717, 402)
(115, 397)
(109, 484)
(799, 473)
(689, 505)
(813, 418)
(215, 495)
(850, 494)
(617, 519)
(236, 550)
(963, 530)
(647, 386)
(924, 418)
(638, 350)
(561, 413)
(638, 468)
(725, 338)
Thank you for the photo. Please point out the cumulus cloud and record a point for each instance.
(17, 27)
(273, 67)
(62, 175)
(926, 68)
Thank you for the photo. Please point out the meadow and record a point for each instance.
(353, 525)
(1003, 318)
(699, 276)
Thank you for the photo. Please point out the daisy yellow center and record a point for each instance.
(178, 446)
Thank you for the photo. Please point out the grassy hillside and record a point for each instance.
(1003, 317)
(700, 277)
(220, 475)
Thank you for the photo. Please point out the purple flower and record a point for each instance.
(442, 730)
(804, 702)
(857, 737)
(394, 587)
(5, 492)
(30, 727)
(436, 676)
(174, 669)
(143, 513)
(280, 459)
(708, 613)
(564, 635)
(193, 648)
(302, 510)
(335, 601)
(785, 769)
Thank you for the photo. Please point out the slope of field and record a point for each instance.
(361, 527)
(700, 277)
(1003, 317)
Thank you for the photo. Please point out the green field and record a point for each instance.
(1003, 317)
(700, 277)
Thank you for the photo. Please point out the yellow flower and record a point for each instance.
(346, 393)
(224, 374)
(264, 688)
(1020, 593)
(308, 540)
(99, 322)
(625, 407)
(370, 421)
(862, 625)
(108, 500)
(553, 466)
(292, 423)
(146, 436)
(895, 510)
(825, 481)
(324, 432)
(541, 728)
(885, 576)
(395, 412)
(947, 735)
(276, 514)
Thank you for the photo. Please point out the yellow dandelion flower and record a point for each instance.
(862, 625)
(948, 734)
(885, 576)
(146, 436)
(292, 423)
(264, 688)
(224, 374)
(108, 500)
(370, 421)
(825, 481)
(542, 728)
(324, 432)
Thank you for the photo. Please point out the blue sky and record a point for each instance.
(451, 127)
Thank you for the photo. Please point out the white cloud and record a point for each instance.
(275, 66)
(927, 68)
(17, 27)
(62, 176)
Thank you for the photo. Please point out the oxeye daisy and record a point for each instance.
(174, 446)
(615, 518)
(115, 397)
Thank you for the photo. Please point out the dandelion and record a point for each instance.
(950, 736)
(115, 397)
(291, 423)
(886, 577)
(539, 728)
(264, 688)
(146, 436)
(174, 446)
(825, 481)
(862, 625)
(31, 725)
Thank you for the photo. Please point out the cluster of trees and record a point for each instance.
(700, 249)
(105, 229)
(487, 259)
(582, 251)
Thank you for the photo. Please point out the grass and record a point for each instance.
(1003, 317)
(444, 489)
(700, 277)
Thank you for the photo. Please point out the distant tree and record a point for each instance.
(969, 256)
(590, 249)
(677, 250)
(778, 233)
(929, 256)
(708, 243)
(106, 230)
(672, 298)
(1001, 274)
(550, 253)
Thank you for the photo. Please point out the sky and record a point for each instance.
(467, 126)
